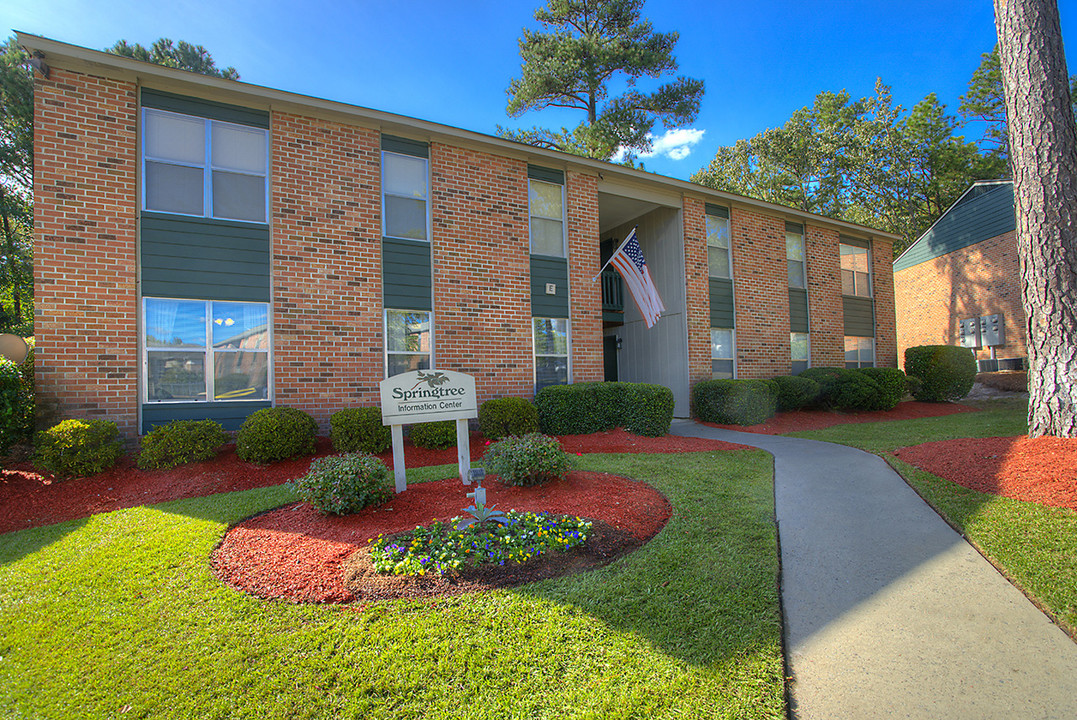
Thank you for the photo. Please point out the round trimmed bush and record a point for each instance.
(501, 417)
(648, 409)
(852, 390)
(78, 448)
(892, 386)
(434, 435)
(795, 392)
(577, 409)
(826, 377)
(527, 460)
(946, 372)
(735, 402)
(359, 430)
(180, 442)
(277, 433)
(341, 484)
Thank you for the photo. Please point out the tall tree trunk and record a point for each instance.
(1043, 155)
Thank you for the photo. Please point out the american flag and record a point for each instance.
(629, 262)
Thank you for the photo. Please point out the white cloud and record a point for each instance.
(676, 144)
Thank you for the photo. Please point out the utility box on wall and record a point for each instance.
(992, 330)
(968, 332)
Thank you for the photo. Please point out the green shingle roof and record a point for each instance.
(984, 211)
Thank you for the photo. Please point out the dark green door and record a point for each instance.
(609, 358)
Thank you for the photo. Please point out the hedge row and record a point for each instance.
(583, 408)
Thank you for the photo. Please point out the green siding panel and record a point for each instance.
(406, 277)
(229, 414)
(546, 174)
(204, 108)
(986, 211)
(405, 146)
(721, 297)
(204, 259)
(798, 310)
(859, 316)
(549, 270)
(856, 242)
(717, 210)
(794, 228)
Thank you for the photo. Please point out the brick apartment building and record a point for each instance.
(960, 282)
(207, 247)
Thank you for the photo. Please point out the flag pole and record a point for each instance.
(623, 243)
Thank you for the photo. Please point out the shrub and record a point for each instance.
(734, 402)
(434, 435)
(583, 408)
(501, 417)
(273, 434)
(946, 372)
(12, 418)
(795, 392)
(648, 409)
(77, 448)
(527, 460)
(181, 442)
(826, 377)
(852, 390)
(359, 430)
(342, 484)
(892, 386)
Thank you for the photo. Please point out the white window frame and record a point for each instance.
(568, 350)
(803, 261)
(728, 248)
(206, 166)
(385, 345)
(385, 192)
(807, 339)
(860, 362)
(733, 349)
(531, 215)
(870, 272)
(210, 353)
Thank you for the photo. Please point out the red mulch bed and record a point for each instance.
(798, 420)
(296, 554)
(1041, 470)
(30, 498)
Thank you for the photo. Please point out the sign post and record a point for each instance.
(419, 396)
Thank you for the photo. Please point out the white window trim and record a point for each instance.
(729, 249)
(206, 166)
(871, 271)
(859, 361)
(568, 350)
(733, 354)
(564, 220)
(144, 390)
(385, 334)
(791, 358)
(803, 261)
(426, 201)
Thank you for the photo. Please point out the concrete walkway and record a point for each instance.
(889, 612)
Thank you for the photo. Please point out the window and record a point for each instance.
(547, 218)
(799, 351)
(198, 350)
(794, 255)
(855, 270)
(551, 351)
(859, 352)
(202, 167)
(722, 353)
(407, 341)
(405, 188)
(718, 257)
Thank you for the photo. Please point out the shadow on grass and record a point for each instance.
(18, 544)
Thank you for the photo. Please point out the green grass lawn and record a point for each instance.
(1034, 545)
(120, 615)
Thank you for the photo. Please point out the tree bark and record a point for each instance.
(1043, 156)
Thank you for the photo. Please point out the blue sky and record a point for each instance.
(450, 62)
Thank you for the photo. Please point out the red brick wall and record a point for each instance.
(982, 279)
(482, 301)
(326, 236)
(697, 290)
(882, 258)
(585, 293)
(825, 312)
(85, 315)
(761, 294)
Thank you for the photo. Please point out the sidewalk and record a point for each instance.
(888, 611)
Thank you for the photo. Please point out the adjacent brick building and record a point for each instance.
(206, 247)
(966, 268)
